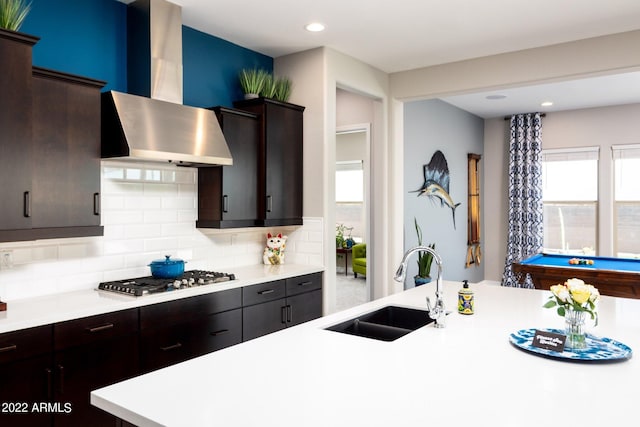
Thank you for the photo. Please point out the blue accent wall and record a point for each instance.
(88, 38)
(84, 37)
(211, 66)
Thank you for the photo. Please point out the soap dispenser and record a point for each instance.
(465, 299)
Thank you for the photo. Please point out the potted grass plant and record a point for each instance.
(269, 87)
(283, 88)
(252, 82)
(425, 259)
(13, 13)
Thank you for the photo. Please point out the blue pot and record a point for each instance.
(421, 280)
(167, 268)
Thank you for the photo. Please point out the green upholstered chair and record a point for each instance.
(359, 259)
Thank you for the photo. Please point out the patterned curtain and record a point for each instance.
(525, 194)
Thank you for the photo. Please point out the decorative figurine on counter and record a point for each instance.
(274, 252)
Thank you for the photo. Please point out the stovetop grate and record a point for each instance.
(148, 285)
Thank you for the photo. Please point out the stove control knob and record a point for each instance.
(201, 281)
(177, 284)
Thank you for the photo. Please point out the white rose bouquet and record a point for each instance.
(574, 295)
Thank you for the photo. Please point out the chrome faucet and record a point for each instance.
(436, 312)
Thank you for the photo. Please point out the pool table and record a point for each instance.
(619, 277)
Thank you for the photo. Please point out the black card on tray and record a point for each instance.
(549, 340)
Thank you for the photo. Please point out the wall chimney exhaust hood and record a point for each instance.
(150, 123)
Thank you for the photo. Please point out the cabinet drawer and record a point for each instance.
(25, 343)
(182, 310)
(165, 346)
(263, 292)
(218, 331)
(306, 283)
(95, 328)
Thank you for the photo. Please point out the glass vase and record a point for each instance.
(574, 324)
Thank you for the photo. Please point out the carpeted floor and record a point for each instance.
(350, 291)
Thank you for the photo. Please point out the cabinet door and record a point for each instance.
(15, 134)
(228, 195)
(262, 319)
(66, 135)
(79, 370)
(283, 165)
(25, 383)
(304, 307)
(240, 181)
(92, 352)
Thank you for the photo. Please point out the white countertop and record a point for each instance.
(465, 374)
(26, 313)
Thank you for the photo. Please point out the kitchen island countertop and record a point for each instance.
(465, 374)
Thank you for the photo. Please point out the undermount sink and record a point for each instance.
(386, 324)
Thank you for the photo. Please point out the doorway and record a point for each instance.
(352, 214)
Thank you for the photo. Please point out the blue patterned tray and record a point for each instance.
(598, 349)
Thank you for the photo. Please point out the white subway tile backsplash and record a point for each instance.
(180, 202)
(162, 244)
(122, 217)
(160, 216)
(148, 211)
(144, 203)
(114, 247)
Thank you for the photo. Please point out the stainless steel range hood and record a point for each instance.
(150, 123)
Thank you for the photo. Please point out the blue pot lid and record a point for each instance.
(167, 261)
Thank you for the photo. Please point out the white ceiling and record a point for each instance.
(406, 34)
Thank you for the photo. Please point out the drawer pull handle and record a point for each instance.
(171, 347)
(305, 283)
(266, 291)
(225, 203)
(96, 203)
(283, 314)
(289, 313)
(100, 328)
(27, 204)
(8, 348)
(219, 332)
(269, 204)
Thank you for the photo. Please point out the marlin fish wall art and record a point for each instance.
(436, 183)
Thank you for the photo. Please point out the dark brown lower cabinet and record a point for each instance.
(270, 307)
(26, 377)
(82, 369)
(48, 372)
(166, 346)
(90, 353)
(175, 331)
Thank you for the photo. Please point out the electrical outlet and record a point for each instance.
(6, 260)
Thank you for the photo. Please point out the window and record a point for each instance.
(349, 181)
(350, 196)
(570, 199)
(627, 200)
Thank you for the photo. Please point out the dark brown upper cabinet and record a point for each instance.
(66, 135)
(49, 148)
(15, 133)
(280, 164)
(228, 195)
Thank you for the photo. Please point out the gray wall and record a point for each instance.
(430, 126)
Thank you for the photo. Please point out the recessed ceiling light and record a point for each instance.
(547, 104)
(314, 27)
(494, 97)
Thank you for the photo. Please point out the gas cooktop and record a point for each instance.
(150, 285)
